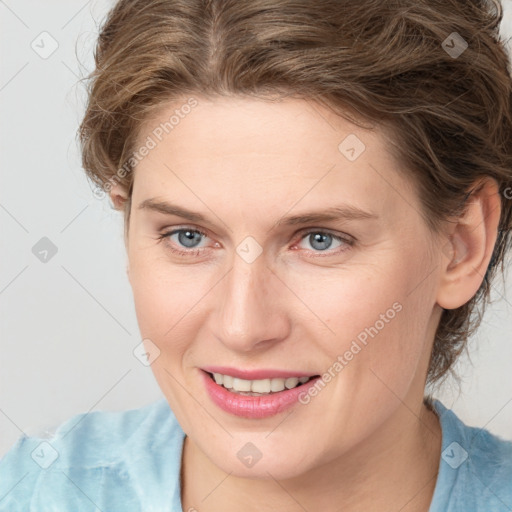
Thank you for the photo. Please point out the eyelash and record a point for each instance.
(303, 234)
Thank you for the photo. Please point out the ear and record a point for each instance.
(118, 195)
(471, 241)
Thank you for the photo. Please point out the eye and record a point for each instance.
(187, 238)
(322, 240)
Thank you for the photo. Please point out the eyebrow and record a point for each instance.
(346, 212)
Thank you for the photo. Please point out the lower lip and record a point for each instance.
(254, 407)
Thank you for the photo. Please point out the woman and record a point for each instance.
(316, 198)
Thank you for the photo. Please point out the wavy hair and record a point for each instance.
(434, 73)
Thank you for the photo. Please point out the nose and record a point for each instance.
(250, 314)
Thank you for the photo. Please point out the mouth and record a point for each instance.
(256, 398)
(258, 387)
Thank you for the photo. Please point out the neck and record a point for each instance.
(394, 470)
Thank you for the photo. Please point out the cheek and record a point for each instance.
(377, 353)
(375, 321)
(171, 302)
(164, 298)
(399, 357)
(163, 292)
(351, 302)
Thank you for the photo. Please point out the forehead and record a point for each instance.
(252, 152)
(234, 124)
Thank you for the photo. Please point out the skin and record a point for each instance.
(245, 164)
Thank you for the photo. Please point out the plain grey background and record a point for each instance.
(68, 326)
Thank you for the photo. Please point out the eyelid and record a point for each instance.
(343, 236)
(205, 232)
(168, 230)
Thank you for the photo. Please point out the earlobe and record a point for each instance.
(471, 244)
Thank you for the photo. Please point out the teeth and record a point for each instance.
(291, 382)
(262, 386)
(277, 385)
(241, 385)
(227, 381)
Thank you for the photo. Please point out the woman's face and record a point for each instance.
(306, 256)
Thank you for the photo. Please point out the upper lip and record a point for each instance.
(256, 374)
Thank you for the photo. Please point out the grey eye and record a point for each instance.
(188, 237)
(320, 241)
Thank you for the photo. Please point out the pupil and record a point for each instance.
(189, 237)
(319, 237)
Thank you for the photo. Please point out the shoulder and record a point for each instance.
(490, 465)
(88, 450)
(476, 463)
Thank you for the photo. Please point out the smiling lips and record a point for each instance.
(260, 394)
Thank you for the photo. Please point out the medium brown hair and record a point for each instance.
(387, 63)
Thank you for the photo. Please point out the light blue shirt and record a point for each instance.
(129, 461)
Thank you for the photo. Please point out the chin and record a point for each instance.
(261, 460)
